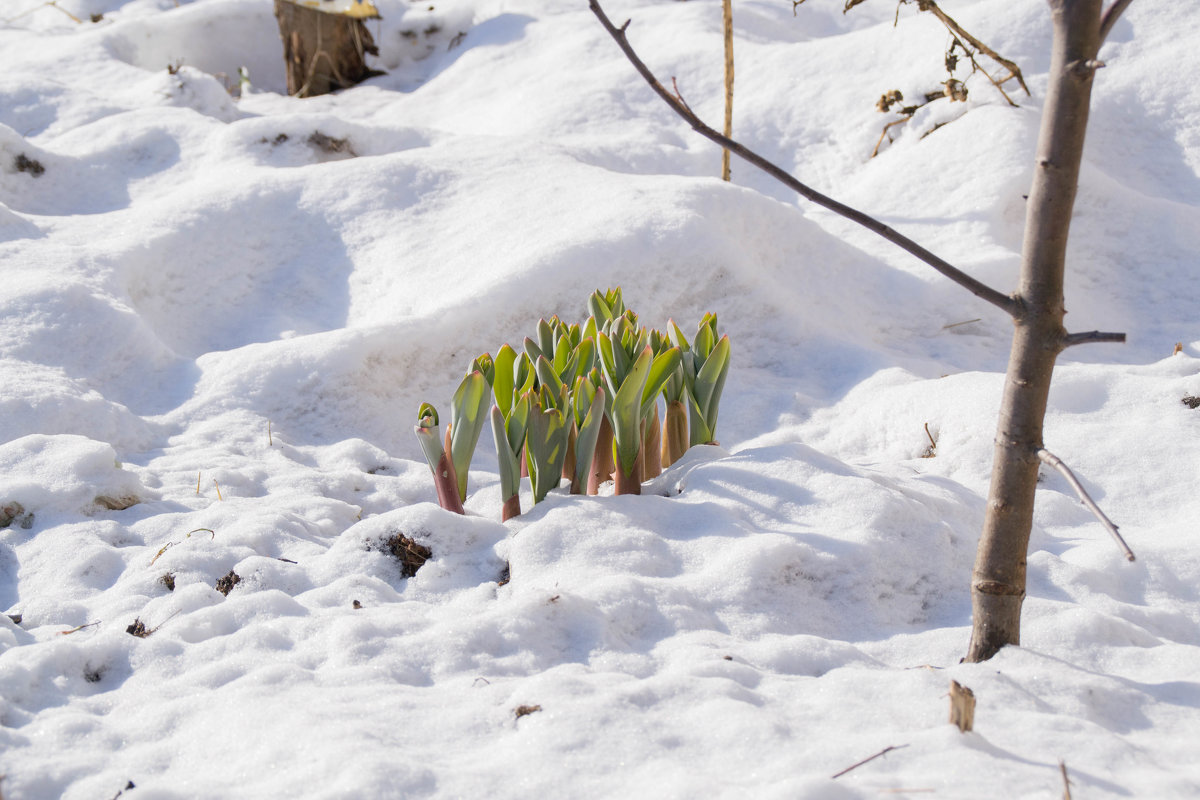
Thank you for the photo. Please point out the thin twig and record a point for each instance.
(1062, 765)
(1091, 337)
(976, 68)
(888, 127)
(964, 322)
(677, 94)
(1111, 15)
(882, 752)
(977, 288)
(52, 4)
(1054, 461)
(1013, 69)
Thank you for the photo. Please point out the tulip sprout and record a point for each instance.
(546, 440)
(444, 479)
(581, 403)
(704, 379)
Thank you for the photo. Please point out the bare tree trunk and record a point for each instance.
(998, 581)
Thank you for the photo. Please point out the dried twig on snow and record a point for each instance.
(868, 759)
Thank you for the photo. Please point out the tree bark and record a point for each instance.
(998, 579)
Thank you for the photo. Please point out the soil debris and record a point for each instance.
(225, 585)
(115, 503)
(14, 513)
(411, 554)
(24, 163)
(330, 144)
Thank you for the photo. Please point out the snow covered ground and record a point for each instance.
(216, 326)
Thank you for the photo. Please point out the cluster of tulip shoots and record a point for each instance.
(581, 404)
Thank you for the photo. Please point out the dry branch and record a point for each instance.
(958, 31)
(1062, 766)
(1091, 337)
(1111, 15)
(869, 759)
(1052, 460)
(727, 13)
(975, 287)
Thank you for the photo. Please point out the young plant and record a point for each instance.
(652, 434)
(635, 377)
(603, 464)
(513, 377)
(606, 308)
(572, 358)
(546, 440)
(704, 374)
(588, 410)
(510, 439)
(444, 479)
(468, 413)
(675, 427)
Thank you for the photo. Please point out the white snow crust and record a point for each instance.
(215, 334)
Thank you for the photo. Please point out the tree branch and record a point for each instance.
(1072, 339)
(975, 287)
(1013, 70)
(869, 759)
(1111, 15)
(1052, 460)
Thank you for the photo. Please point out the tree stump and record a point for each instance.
(325, 50)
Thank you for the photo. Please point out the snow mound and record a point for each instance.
(66, 474)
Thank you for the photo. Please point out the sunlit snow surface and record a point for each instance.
(211, 310)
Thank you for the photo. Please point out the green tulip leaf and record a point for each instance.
(627, 412)
(468, 412)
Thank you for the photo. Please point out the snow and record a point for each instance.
(217, 324)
